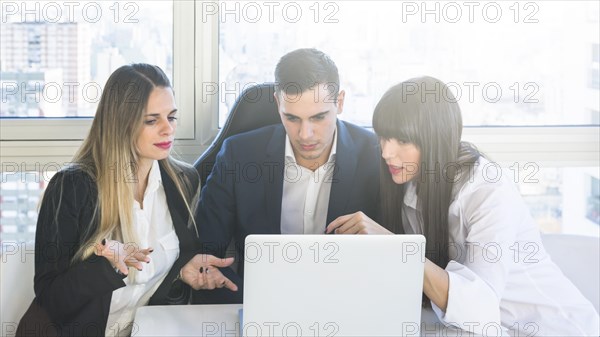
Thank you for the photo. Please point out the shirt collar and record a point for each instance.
(410, 195)
(154, 178)
(289, 151)
(332, 155)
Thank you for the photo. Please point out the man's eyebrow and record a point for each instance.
(320, 114)
(286, 114)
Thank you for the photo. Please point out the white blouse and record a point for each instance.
(502, 281)
(155, 229)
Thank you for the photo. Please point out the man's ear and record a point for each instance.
(276, 96)
(340, 101)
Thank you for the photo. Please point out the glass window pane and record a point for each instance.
(561, 200)
(20, 197)
(56, 56)
(509, 63)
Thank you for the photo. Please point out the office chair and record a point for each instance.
(578, 257)
(255, 108)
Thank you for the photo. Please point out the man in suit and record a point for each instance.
(293, 178)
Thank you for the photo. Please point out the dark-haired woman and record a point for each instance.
(486, 270)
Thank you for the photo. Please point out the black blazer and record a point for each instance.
(76, 297)
(243, 193)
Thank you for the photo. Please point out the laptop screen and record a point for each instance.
(333, 285)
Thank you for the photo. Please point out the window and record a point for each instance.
(56, 57)
(218, 48)
(33, 145)
(507, 62)
(559, 199)
(523, 73)
(593, 201)
(20, 197)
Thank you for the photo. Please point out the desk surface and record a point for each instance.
(222, 320)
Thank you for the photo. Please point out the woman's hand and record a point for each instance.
(436, 283)
(356, 223)
(122, 256)
(201, 272)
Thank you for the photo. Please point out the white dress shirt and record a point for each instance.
(154, 228)
(305, 198)
(502, 281)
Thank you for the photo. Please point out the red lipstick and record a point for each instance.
(394, 170)
(164, 145)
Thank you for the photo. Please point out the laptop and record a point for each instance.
(333, 285)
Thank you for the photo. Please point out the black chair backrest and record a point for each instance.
(255, 108)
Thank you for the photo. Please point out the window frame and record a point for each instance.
(39, 141)
(553, 146)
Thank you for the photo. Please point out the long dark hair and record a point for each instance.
(424, 112)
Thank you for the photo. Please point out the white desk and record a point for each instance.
(222, 320)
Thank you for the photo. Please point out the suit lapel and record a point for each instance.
(179, 214)
(273, 178)
(343, 174)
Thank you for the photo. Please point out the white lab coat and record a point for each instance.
(501, 280)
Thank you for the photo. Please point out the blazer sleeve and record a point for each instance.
(216, 212)
(62, 286)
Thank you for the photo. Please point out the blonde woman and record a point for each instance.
(116, 229)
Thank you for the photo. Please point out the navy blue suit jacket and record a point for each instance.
(243, 193)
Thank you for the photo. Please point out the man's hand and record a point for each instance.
(201, 272)
(356, 223)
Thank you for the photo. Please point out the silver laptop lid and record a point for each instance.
(333, 285)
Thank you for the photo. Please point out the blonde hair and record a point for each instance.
(109, 156)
